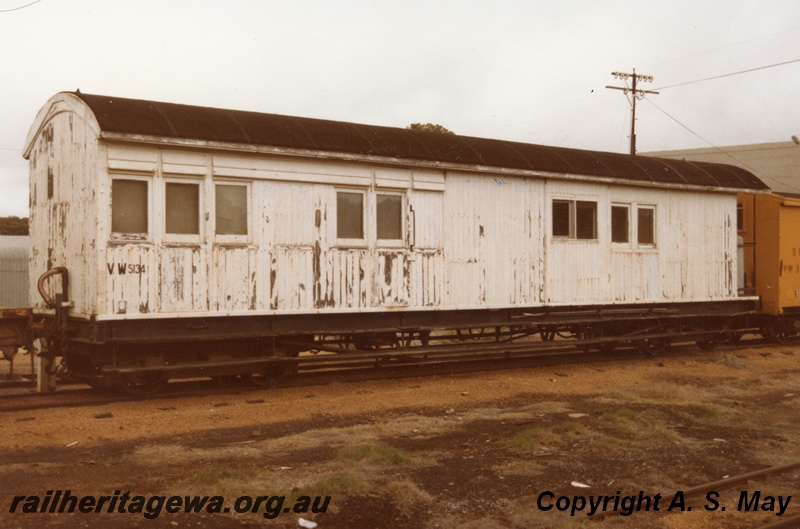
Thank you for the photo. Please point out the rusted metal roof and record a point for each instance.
(170, 120)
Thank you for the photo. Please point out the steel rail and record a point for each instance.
(723, 484)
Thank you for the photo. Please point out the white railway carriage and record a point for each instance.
(184, 229)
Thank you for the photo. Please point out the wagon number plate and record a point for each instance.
(125, 268)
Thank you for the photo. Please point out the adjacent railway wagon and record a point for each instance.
(182, 240)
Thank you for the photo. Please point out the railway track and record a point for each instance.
(378, 365)
(727, 483)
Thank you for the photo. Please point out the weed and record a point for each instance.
(607, 442)
(531, 438)
(732, 361)
(338, 483)
(406, 494)
(665, 393)
(569, 428)
(662, 433)
(209, 477)
(619, 415)
(378, 455)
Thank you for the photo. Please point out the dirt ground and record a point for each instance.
(467, 451)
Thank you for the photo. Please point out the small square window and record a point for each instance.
(182, 205)
(129, 206)
(349, 215)
(389, 212)
(646, 225)
(230, 206)
(575, 219)
(620, 220)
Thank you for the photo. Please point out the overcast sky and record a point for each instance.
(523, 70)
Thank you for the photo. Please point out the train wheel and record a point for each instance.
(99, 384)
(140, 385)
(734, 337)
(271, 374)
(264, 380)
(592, 332)
(607, 347)
(653, 346)
(775, 331)
(225, 381)
(547, 336)
(708, 344)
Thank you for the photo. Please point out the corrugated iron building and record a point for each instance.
(14, 252)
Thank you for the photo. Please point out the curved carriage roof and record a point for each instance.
(170, 120)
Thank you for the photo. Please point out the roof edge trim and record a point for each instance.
(405, 162)
(58, 104)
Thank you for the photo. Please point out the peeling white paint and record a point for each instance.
(470, 240)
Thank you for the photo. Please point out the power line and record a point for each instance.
(20, 7)
(726, 153)
(740, 43)
(731, 74)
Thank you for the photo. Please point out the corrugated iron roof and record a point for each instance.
(170, 120)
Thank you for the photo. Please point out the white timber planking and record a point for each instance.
(470, 239)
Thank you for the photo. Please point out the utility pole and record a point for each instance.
(634, 77)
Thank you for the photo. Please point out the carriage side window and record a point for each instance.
(389, 212)
(182, 206)
(620, 223)
(230, 203)
(739, 217)
(129, 205)
(575, 219)
(562, 218)
(646, 225)
(585, 220)
(350, 216)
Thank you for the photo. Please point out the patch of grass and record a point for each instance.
(732, 361)
(406, 494)
(569, 428)
(662, 433)
(378, 455)
(519, 467)
(223, 480)
(665, 393)
(338, 483)
(532, 438)
(620, 415)
(208, 477)
(722, 417)
(608, 442)
(164, 454)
